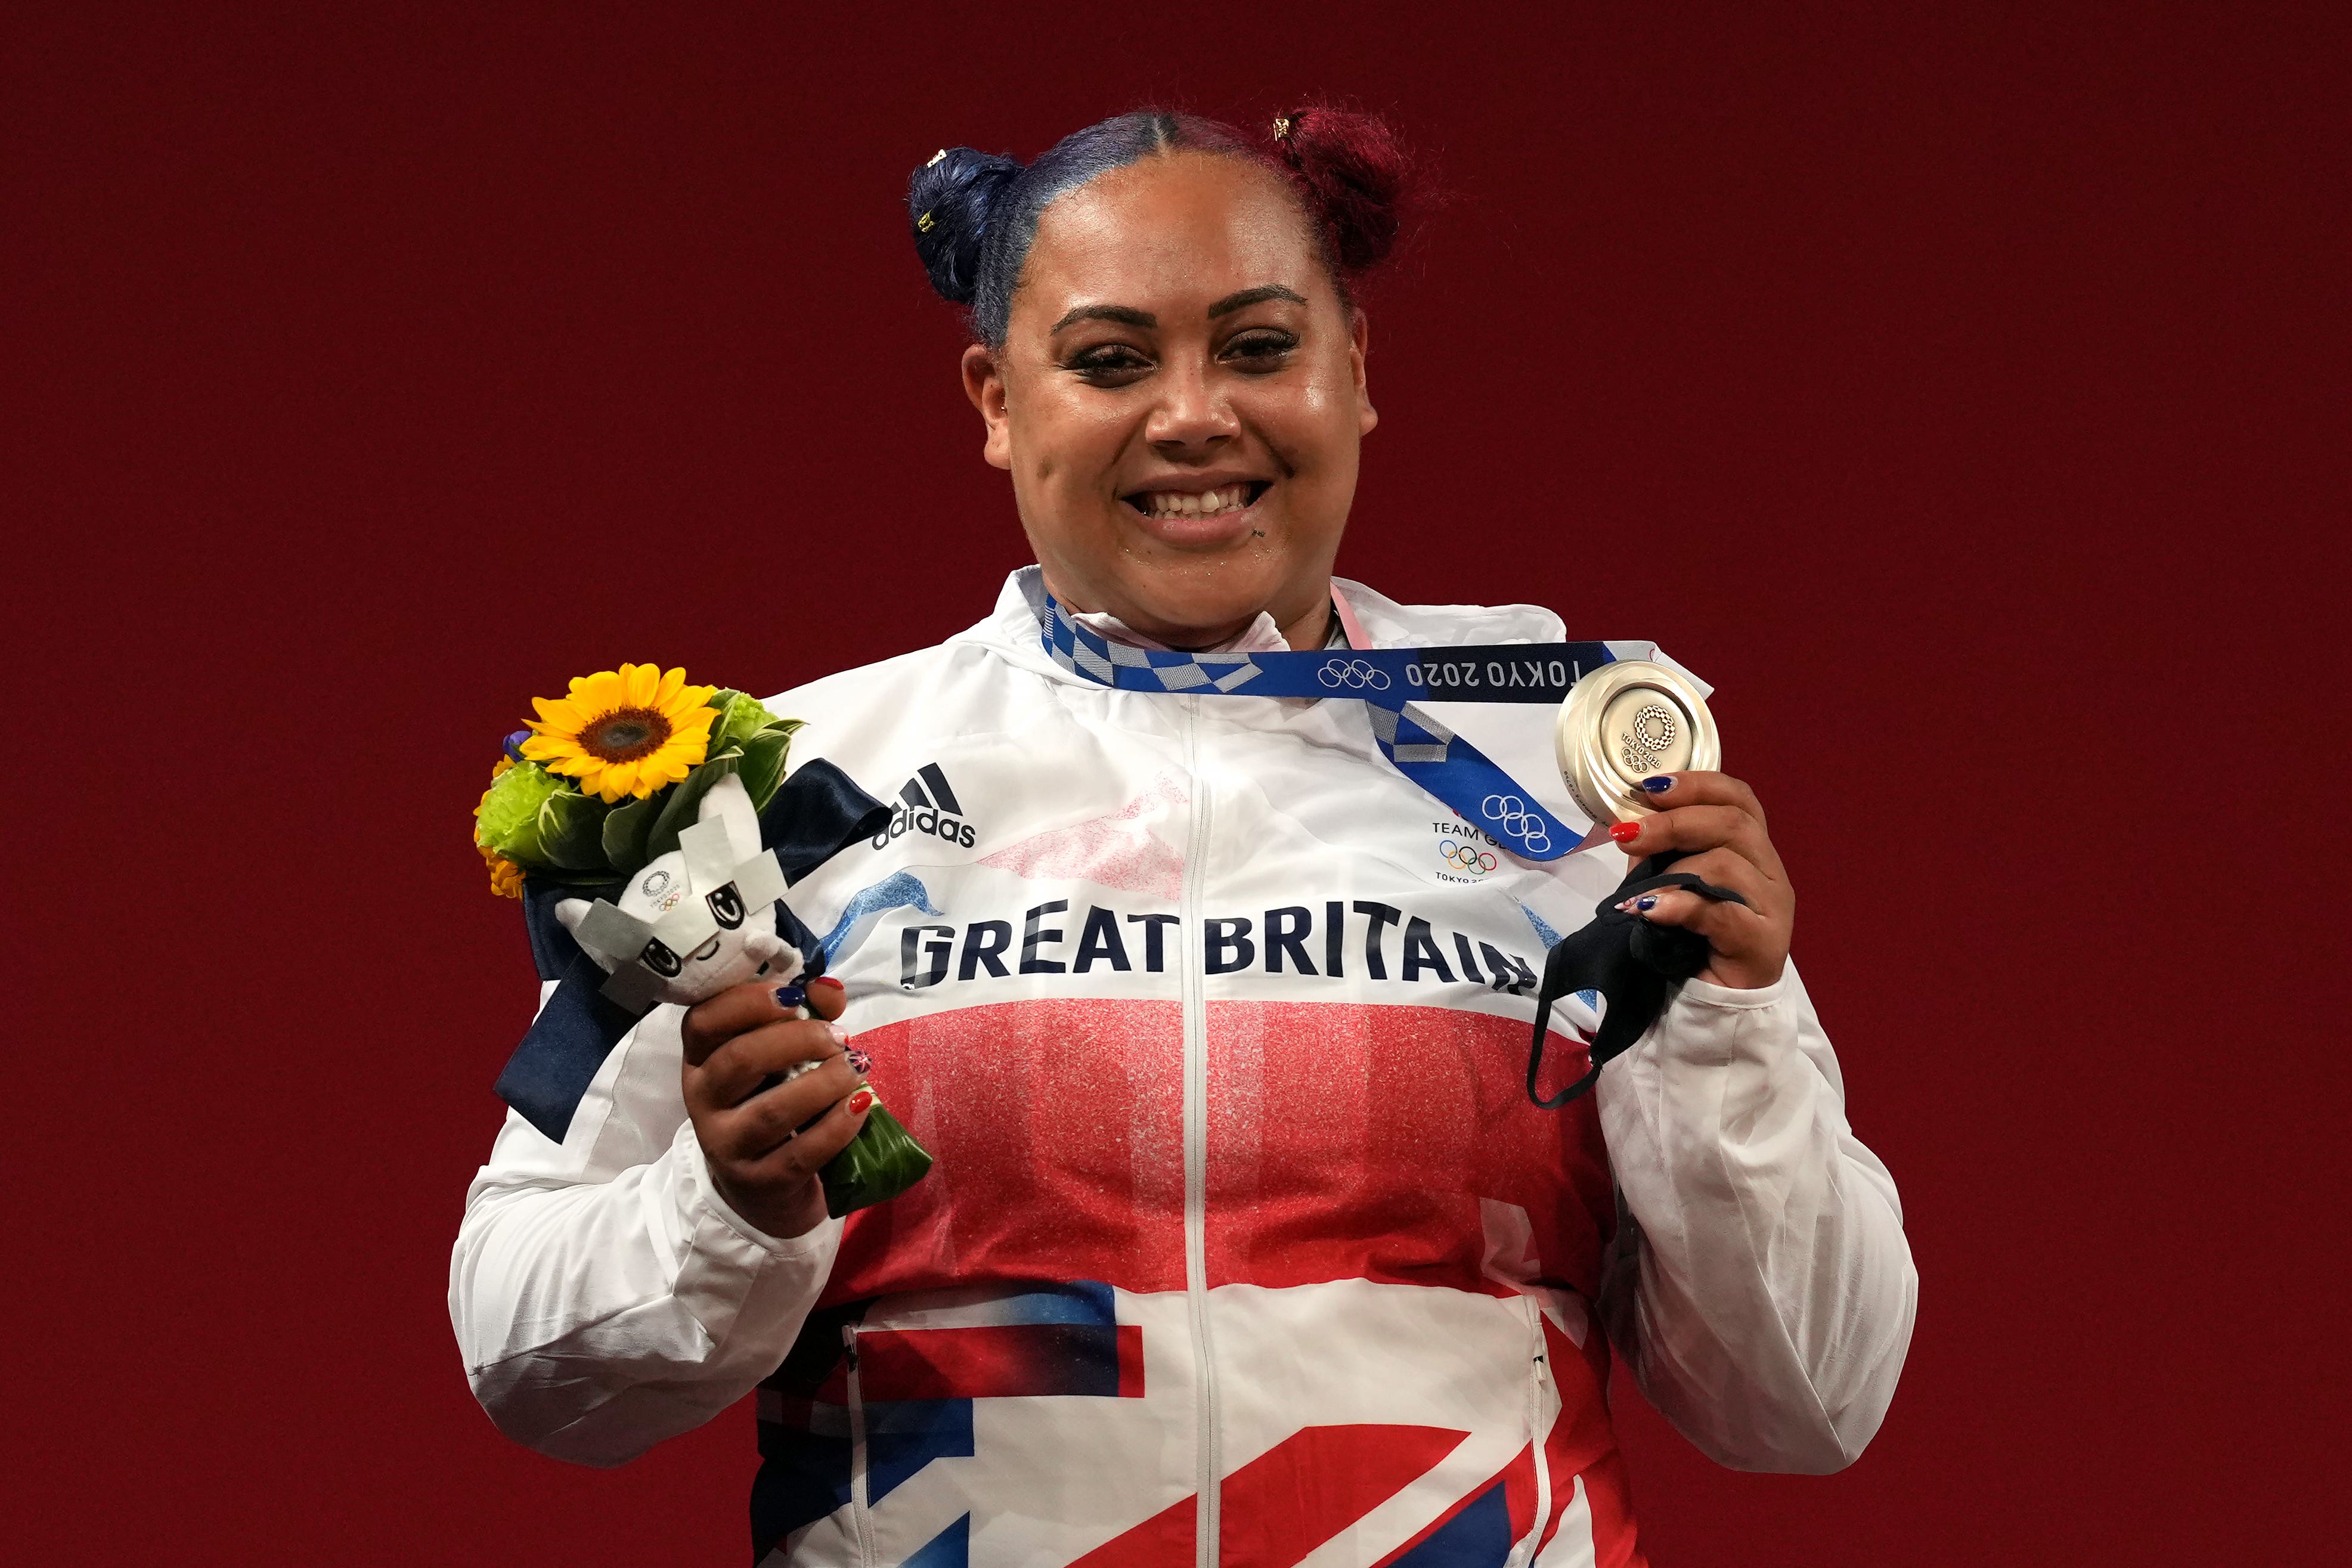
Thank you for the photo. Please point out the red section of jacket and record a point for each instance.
(1344, 1142)
(1059, 1129)
(1349, 1141)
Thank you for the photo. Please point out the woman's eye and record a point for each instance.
(1260, 350)
(1111, 364)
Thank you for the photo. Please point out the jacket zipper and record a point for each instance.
(1537, 1432)
(1196, 1140)
(861, 1519)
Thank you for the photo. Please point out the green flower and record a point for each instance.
(740, 717)
(540, 822)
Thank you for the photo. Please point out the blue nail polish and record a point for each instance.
(789, 996)
(860, 1062)
(1647, 902)
(1658, 785)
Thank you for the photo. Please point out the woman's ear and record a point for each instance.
(1358, 344)
(983, 383)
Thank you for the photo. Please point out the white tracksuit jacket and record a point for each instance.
(1244, 1245)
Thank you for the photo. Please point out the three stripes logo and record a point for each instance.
(926, 805)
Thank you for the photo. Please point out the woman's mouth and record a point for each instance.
(1168, 505)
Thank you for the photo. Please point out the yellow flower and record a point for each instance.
(625, 733)
(506, 877)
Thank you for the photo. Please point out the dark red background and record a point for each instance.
(1963, 394)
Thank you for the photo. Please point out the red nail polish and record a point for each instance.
(828, 980)
(1624, 832)
(860, 1101)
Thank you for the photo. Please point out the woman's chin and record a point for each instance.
(1187, 579)
(1198, 604)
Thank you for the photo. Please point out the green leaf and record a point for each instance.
(880, 1162)
(627, 826)
(571, 832)
(508, 821)
(683, 802)
(764, 761)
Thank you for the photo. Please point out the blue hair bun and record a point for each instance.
(950, 203)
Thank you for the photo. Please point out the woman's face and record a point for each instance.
(1180, 399)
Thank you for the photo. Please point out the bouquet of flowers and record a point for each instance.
(591, 791)
(639, 819)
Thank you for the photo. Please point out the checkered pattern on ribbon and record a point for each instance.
(1409, 735)
(1424, 750)
(1085, 652)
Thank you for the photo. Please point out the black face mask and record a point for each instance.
(1628, 961)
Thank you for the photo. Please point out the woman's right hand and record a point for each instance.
(734, 1041)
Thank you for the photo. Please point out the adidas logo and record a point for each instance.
(926, 805)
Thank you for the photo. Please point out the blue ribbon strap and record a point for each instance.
(1387, 681)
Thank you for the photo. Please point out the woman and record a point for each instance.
(1243, 1240)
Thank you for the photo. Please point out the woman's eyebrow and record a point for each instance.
(1248, 297)
(1127, 314)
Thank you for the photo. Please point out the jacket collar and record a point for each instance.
(1010, 629)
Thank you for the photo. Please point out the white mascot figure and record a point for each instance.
(695, 920)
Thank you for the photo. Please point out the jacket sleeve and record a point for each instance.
(1761, 1286)
(604, 1297)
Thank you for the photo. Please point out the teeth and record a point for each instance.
(1208, 503)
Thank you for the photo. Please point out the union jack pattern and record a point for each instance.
(928, 1418)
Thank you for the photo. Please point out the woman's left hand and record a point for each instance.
(1714, 820)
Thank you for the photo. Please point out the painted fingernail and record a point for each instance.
(1658, 785)
(860, 1062)
(860, 1102)
(828, 980)
(1646, 902)
(1624, 832)
(789, 996)
(839, 1039)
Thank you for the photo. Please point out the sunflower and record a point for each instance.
(625, 733)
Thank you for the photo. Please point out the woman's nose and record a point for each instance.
(1190, 413)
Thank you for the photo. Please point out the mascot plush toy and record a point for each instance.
(683, 930)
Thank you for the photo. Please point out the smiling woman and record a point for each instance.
(1246, 1238)
(1171, 361)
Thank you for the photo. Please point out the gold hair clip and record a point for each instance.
(923, 223)
(1282, 128)
(937, 156)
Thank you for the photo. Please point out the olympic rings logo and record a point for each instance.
(1653, 730)
(1467, 857)
(1516, 820)
(1354, 672)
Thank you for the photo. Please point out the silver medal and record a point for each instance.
(1627, 721)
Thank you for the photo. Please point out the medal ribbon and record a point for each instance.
(1387, 681)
